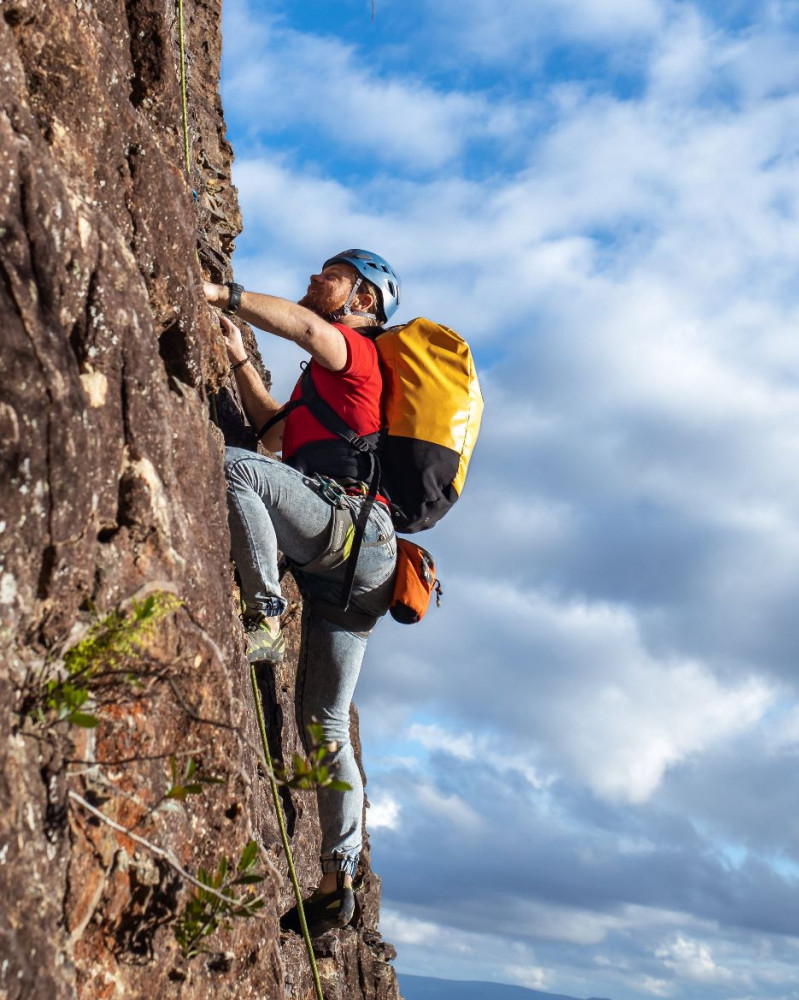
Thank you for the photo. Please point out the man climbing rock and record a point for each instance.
(307, 507)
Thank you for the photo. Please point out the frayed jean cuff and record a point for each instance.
(273, 607)
(340, 863)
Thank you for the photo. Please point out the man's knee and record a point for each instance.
(323, 728)
(247, 469)
(235, 460)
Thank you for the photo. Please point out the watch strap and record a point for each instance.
(235, 297)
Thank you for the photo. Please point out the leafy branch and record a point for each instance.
(63, 691)
(222, 896)
(191, 782)
(219, 897)
(311, 772)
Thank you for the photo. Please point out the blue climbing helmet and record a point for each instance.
(378, 272)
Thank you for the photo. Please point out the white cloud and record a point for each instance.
(409, 931)
(628, 734)
(384, 813)
(306, 211)
(435, 737)
(531, 977)
(317, 82)
(520, 36)
(478, 746)
(682, 61)
(692, 960)
(653, 986)
(566, 924)
(783, 734)
(451, 950)
(577, 687)
(432, 948)
(450, 808)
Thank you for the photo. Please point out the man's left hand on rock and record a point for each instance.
(216, 295)
(233, 340)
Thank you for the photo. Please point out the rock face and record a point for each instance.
(115, 579)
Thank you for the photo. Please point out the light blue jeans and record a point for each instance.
(273, 508)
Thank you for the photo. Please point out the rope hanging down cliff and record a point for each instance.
(183, 89)
(284, 835)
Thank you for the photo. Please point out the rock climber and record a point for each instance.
(305, 507)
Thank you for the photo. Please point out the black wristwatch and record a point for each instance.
(235, 297)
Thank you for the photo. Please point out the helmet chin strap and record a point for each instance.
(345, 309)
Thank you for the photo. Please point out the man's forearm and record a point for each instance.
(259, 404)
(269, 312)
(288, 320)
(279, 316)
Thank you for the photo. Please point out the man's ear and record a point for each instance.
(364, 302)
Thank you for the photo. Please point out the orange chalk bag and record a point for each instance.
(414, 584)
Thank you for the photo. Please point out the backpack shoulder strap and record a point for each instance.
(328, 417)
(281, 414)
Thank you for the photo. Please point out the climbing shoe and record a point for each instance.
(324, 911)
(263, 645)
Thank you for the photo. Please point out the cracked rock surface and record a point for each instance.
(113, 494)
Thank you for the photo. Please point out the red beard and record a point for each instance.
(320, 301)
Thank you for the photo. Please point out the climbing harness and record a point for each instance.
(342, 527)
(366, 445)
(259, 710)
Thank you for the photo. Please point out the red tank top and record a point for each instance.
(354, 393)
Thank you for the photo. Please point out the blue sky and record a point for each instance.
(583, 768)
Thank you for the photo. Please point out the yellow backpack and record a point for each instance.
(432, 407)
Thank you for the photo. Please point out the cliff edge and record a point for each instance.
(129, 746)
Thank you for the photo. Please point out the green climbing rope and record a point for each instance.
(183, 90)
(259, 710)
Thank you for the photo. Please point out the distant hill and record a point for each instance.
(425, 988)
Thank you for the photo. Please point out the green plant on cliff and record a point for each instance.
(191, 782)
(311, 772)
(62, 691)
(227, 896)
